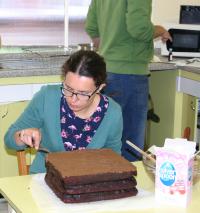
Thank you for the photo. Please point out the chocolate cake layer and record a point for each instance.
(94, 196)
(87, 188)
(89, 166)
(99, 196)
(90, 175)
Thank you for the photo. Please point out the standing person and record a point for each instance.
(70, 116)
(123, 32)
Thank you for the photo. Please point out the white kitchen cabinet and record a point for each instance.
(14, 93)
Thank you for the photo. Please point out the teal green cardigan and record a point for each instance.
(43, 112)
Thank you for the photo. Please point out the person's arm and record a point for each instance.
(138, 20)
(160, 31)
(25, 129)
(91, 24)
(114, 140)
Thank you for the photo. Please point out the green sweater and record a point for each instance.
(126, 33)
(43, 112)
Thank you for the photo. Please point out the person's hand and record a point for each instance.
(166, 36)
(162, 33)
(96, 42)
(30, 137)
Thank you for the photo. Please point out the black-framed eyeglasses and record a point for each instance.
(80, 96)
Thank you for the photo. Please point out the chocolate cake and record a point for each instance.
(90, 175)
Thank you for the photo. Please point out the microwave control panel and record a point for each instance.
(189, 14)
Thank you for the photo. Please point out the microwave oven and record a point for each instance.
(186, 41)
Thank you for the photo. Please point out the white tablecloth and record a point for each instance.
(47, 200)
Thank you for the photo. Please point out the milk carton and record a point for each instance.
(174, 169)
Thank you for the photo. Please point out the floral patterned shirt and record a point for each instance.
(77, 133)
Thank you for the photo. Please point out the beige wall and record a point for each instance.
(168, 10)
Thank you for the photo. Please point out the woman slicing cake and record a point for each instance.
(70, 116)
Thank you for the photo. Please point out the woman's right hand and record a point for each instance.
(30, 137)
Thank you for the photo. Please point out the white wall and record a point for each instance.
(41, 22)
(168, 10)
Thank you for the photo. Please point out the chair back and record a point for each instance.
(23, 168)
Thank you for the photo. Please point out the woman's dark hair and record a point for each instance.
(86, 63)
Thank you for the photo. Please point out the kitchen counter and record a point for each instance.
(177, 63)
(40, 61)
(18, 64)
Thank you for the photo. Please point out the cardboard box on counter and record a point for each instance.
(174, 171)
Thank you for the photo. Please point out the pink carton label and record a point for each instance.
(173, 177)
